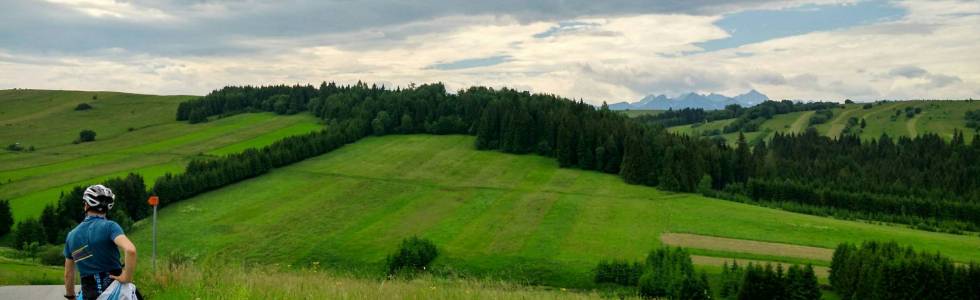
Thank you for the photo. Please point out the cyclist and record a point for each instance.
(93, 248)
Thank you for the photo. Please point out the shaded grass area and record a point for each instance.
(516, 217)
(746, 246)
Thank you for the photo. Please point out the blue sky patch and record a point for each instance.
(753, 26)
(472, 63)
(564, 26)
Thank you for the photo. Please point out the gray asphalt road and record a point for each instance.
(40, 292)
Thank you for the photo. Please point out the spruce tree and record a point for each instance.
(6, 218)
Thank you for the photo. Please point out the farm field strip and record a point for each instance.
(267, 138)
(746, 246)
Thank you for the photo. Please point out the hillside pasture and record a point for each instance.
(491, 214)
(937, 116)
(157, 144)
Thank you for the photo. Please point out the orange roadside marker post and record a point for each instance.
(154, 201)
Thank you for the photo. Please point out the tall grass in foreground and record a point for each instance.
(193, 282)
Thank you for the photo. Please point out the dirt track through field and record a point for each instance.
(719, 261)
(910, 126)
(745, 246)
(837, 125)
(801, 122)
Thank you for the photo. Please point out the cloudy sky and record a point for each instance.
(593, 50)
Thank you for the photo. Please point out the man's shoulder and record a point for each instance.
(111, 226)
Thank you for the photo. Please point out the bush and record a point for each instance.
(414, 253)
(15, 147)
(620, 272)
(821, 116)
(86, 135)
(52, 255)
(973, 119)
(83, 106)
(867, 106)
(177, 259)
(27, 232)
(30, 250)
(666, 273)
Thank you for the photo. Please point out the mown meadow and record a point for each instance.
(135, 133)
(518, 217)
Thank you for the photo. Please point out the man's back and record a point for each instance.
(91, 245)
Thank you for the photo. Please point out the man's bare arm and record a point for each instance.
(129, 249)
(69, 277)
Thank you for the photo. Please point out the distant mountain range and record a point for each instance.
(692, 100)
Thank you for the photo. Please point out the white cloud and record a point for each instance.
(116, 9)
(614, 57)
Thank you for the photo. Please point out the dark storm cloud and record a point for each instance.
(219, 27)
(908, 72)
(934, 80)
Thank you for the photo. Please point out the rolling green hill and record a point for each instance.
(940, 117)
(135, 133)
(513, 216)
(492, 214)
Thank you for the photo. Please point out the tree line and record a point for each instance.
(668, 273)
(757, 281)
(876, 270)
(57, 219)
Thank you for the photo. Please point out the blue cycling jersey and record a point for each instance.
(91, 245)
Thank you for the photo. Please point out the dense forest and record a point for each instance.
(925, 181)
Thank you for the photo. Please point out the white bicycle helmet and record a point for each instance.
(99, 197)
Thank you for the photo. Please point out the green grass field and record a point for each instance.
(940, 117)
(492, 214)
(157, 143)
